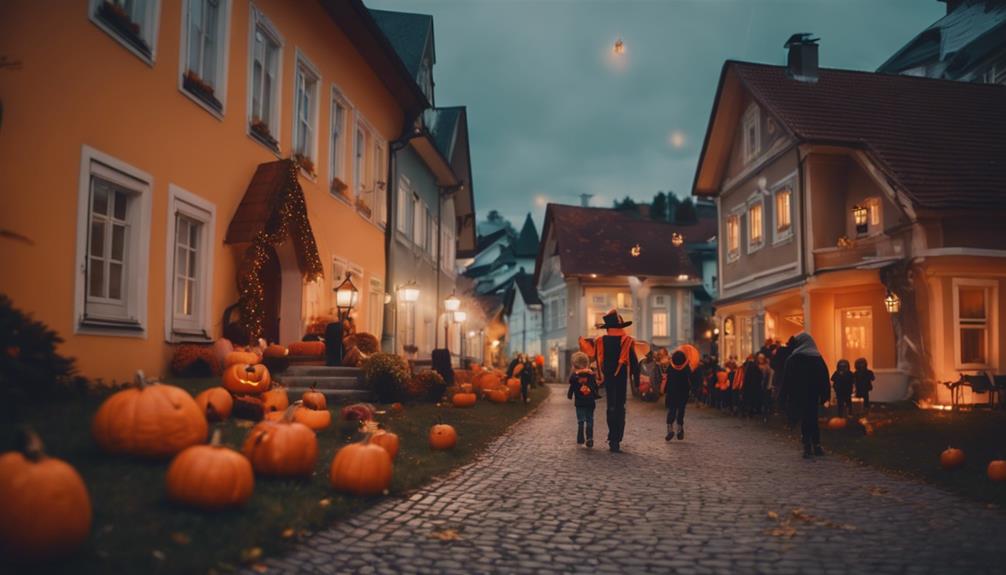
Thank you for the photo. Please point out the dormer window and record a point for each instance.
(425, 78)
(752, 133)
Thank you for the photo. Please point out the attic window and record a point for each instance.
(752, 133)
(425, 78)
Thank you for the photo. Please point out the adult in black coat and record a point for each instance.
(804, 388)
(753, 387)
(617, 362)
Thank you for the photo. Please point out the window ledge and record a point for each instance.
(267, 141)
(216, 113)
(120, 30)
(189, 338)
(783, 240)
(111, 328)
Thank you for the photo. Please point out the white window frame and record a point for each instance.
(222, 59)
(181, 201)
(404, 217)
(140, 183)
(380, 177)
(259, 21)
(337, 148)
(751, 147)
(375, 307)
(753, 247)
(148, 29)
(779, 235)
(991, 323)
(309, 70)
(733, 254)
(418, 228)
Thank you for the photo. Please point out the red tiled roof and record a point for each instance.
(942, 142)
(599, 240)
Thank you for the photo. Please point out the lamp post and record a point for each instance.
(409, 295)
(451, 305)
(346, 296)
(459, 318)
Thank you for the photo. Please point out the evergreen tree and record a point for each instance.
(672, 207)
(658, 209)
(626, 205)
(686, 213)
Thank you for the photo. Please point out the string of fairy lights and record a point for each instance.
(289, 211)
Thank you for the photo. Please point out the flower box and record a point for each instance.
(116, 18)
(340, 187)
(261, 131)
(363, 207)
(305, 163)
(199, 88)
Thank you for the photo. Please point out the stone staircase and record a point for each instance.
(339, 384)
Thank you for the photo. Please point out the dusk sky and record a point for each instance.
(552, 115)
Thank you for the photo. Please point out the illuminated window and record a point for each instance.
(660, 323)
(873, 208)
(756, 226)
(733, 237)
(974, 306)
(783, 214)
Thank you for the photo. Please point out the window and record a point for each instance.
(113, 240)
(418, 218)
(380, 181)
(974, 315)
(405, 207)
(624, 300)
(783, 214)
(133, 23)
(756, 226)
(874, 216)
(733, 237)
(359, 152)
(425, 78)
(752, 133)
(375, 307)
(204, 53)
(189, 266)
(995, 74)
(660, 323)
(337, 145)
(431, 235)
(305, 121)
(263, 90)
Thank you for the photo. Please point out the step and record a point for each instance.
(335, 395)
(321, 382)
(324, 371)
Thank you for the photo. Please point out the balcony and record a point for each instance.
(858, 252)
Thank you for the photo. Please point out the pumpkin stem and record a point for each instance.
(215, 438)
(30, 444)
(140, 380)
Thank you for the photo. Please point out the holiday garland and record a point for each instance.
(289, 209)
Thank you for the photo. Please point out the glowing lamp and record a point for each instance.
(346, 296)
(635, 251)
(892, 302)
(409, 293)
(682, 277)
(677, 239)
(619, 46)
(859, 215)
(452, 303)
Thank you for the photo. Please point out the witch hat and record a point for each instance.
(612, 320)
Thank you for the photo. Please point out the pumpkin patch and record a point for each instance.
(210, 477)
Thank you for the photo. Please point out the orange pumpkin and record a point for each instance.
(247, 378)
(361, 469)
(463, 399)
(316, 419)
(513, 388)
(465, 387)
(997, 470)
(837, 423)
(539, 360)
(314, 399)
(498, 395)
(275, 399)
(283, 448)
(149, 420)
(952, 458)
(486, 380)
(443, 437)
(45, 510)
(692, 353)
(210, 477)
(216, 403)
(274, 350)
(308, 348)
(389, 441)
(241, 356)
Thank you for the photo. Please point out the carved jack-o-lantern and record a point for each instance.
(247, 378)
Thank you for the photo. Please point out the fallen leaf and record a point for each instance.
(287, 533)
(773, 515)
(783, 531)
(325, 502)
(251, 554)
(181, 538)
(445, 535)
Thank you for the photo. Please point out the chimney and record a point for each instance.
(801, 63)
(585, 200)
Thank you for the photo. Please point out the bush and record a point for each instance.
(427, 385)
(367, 343)
(386, 374)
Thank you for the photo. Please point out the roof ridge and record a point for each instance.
(874, 74)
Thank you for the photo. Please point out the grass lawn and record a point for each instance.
(908, 441)
(135, 530)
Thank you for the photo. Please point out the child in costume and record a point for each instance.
(677, 388)
(864, 382)
(842, 380)
(583, 392)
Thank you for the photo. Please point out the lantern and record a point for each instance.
(453, 303)
(677, 239)
(635, 251)
(892, 302)
(346, 296)
(409, 293)
(682, 277)
(859, 215)
(460, 316)
(619, 46)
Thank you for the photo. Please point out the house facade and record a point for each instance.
(861, 208)
(523, 311)
(431, 203)
(165, 197)
(592, 260)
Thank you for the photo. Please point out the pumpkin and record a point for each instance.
(498, 395)
(316, 419)
(241, 356)
(397, 407)
(210, 477)
(216, 403)
(389, 441)
(149, 420)
(465, 387)
(443, 437)
(486, 380)
(308, 348)
(275, 399)
(275, 350)
(275, 358)
(692, 353)
(314, 399)
(952, 458)
(361, 469)
(837, 423)
(513, 387)
(283, 448)
(45, 510)
(463, 399)
(539, 360)
(997, 470)
(247, 378)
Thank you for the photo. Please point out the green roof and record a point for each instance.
(408, 33)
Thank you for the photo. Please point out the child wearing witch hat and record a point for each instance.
(676, 388)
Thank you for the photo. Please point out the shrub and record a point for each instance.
(367, 342)
(386, 374)
(427, 385)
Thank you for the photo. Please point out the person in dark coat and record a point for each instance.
(676, 389)
(864, 382)
(805, 388)
(752, 388)
(778, 363)
(617, 363)
(842, 380)
(583, 392)
(525, 372)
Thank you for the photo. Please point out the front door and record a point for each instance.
(855, 334)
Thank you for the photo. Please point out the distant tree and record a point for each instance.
(626, 205)
(494, 216)
(686, 213)
(672, 206)
(658, 209)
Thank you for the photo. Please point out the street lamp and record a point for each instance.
(451, 304)
(346, 296)
(677, 239)
(409, 295)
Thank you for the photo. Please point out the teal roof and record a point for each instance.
(443, 124)
(408, 33)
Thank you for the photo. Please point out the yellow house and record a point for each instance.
(147, 144)
(866, 209)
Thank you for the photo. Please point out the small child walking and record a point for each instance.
(864, 382)
(583, 392)
(676, 386)
(842, 380)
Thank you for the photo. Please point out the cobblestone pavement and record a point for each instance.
(724, 500)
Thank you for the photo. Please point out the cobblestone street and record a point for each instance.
(724, 500)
